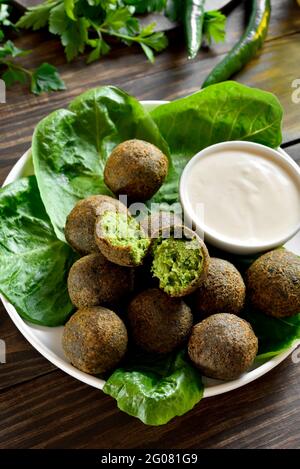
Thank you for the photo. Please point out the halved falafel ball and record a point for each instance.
(180, 262)
(121, 239)
(222, 291)
(158, 323)
(80, 224)
(93, 280)
(223, 346)
(135, 168)
(152, 225)
(273, 283)
(94, 339)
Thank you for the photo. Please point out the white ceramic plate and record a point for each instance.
(47, 340)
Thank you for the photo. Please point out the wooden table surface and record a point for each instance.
(42, 407)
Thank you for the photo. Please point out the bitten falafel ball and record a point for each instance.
(273, 283)
(80, 224)
(137, 169)
(94, 340)
(180, 261)
(223, 346)
(93, 280)
(222, 291)
(158, 323)
(121, 239)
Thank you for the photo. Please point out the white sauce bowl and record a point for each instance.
(216, 237)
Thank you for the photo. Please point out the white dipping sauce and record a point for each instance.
(248, 198)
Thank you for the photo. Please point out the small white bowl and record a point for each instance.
(217, 239)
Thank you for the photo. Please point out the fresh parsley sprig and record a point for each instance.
(88, 23)
(44, 78)
(214, 26)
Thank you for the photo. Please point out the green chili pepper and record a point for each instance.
(193, 16)
(251, 41)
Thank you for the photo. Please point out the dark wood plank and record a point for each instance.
(55, 411)
(23, 362)
(294, 152)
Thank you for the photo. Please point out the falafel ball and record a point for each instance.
(94, 339)
(93, 280)
(273, 283)
(121, 239)
(80, 224)
(222, 291)
(158, 323)
(223, 346)
(137, 169)
(180, 262)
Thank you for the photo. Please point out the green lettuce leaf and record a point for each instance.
(221, 112)
(70, 147)
(153, 397)
(275, 335)
(34, 264)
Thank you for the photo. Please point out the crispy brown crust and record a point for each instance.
(121, 255)
(189, 235)
(136, 168)
(273, 283)
(223, 346)
(222, 291)
(158, 323)
(80, 223)
(94, 340)
(93, 281)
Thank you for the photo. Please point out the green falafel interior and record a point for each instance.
(122, 230)
(177, 263)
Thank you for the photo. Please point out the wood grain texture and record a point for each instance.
(294, 152)
(23, 362)
(56, 411)
(41, 407)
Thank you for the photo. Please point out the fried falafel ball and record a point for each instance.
(273, 283)
(80, 224)
(94, 340)
(121, 239)
(137, 169)
(93, 280)
(158, 323)
(180, 261)
(223, 346)
(222, 291)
